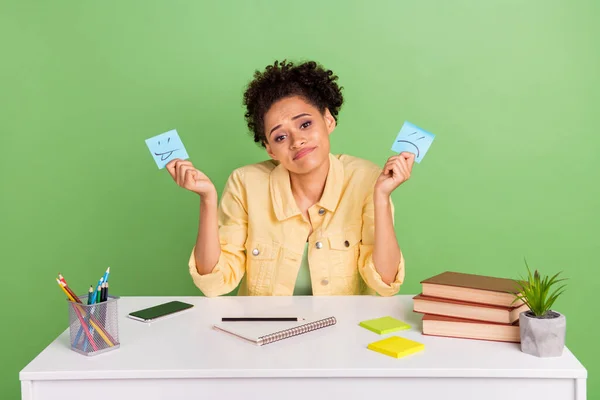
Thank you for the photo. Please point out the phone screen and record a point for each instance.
(160, 310)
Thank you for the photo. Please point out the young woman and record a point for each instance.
(305, 222)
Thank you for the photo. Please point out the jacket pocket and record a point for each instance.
(344, 248)
(261, 258)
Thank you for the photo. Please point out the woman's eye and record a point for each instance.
(305, 125)
(279, 138)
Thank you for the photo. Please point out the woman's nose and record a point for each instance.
(298, 139)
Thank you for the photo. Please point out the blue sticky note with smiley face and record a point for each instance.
(414, 140)
(166, 147)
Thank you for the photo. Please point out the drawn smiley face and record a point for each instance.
(166, 147)
(165, 154)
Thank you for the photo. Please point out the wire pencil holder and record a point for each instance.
(94, 328)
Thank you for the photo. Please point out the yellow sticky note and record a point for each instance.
(396, 346)
(384, 325)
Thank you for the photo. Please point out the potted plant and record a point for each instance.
(542, 329)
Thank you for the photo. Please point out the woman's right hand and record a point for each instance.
(188, 177)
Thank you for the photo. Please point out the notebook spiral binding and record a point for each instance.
(298, 330)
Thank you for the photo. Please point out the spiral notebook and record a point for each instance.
(261, 333)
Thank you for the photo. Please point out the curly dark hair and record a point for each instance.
(308, 80)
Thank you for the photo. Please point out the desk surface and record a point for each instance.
(185, 346)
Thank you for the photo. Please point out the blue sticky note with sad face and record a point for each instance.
(166, 147)
(414, 140)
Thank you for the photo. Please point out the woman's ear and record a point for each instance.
(329, 121)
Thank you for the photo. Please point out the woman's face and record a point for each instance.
(298, 134)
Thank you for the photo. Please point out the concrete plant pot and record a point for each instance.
(542, 336)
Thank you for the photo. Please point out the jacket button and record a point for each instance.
(318, 245)
(321, 211)
(255, 252)
(347, 243)
(324, 282)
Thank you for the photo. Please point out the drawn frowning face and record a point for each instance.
(413, 139)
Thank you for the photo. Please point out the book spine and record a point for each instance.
(298, 330)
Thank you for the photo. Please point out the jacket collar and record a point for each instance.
(284, 203)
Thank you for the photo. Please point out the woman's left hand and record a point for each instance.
(397, 170)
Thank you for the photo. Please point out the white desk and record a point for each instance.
(181, 357)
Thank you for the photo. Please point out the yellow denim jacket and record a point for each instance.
(263, 234)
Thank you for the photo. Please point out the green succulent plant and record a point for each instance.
(535, 291)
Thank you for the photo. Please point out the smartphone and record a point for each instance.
(161, 310)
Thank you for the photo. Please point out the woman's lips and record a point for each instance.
(303, 152)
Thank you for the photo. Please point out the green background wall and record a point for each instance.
(509, 88)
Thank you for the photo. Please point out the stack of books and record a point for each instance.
(470, 306)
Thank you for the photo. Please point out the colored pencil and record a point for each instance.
(66, 286)
(76, 308)
(95, 324)
(103, 293)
